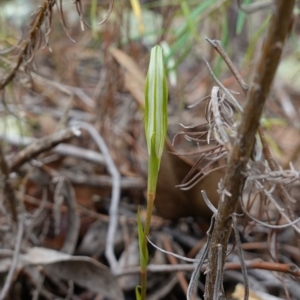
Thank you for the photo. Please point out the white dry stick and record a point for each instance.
(115, 195)
(61, 149)
(224, 138)
(208, 203)
(15, 260)
(230, 97)
(282, 176)
(171, 253)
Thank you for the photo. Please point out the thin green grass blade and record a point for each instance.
(93, 17)
(187, 12)
(180, 43)
(195, 16)
(224, 40)
(184, 36)
(241, 19)
(253, 42)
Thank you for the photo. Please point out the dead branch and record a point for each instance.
(8, 190)
(115, 197)
(42, 145)
(103, 181)
(250, 264)
(61, 149)
(242, 147)
(265, 147)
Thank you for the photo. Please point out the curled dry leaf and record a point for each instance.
(84, 271)
(92, 243)
(171, 202)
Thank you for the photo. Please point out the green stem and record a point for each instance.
(143, 283)
(153, 167)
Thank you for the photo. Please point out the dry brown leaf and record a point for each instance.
(134, 77)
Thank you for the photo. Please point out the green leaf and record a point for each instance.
(224, 39)
(156, 98)
(269, 122)
(186, 34)
(93, 17)
(138, 292)
(241, 19)
(141, 234)
(187, 12)
(273, 145)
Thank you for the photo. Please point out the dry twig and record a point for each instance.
(180, 276)
(115, 197)
(240, 154)
(290, 269)
(265, 147)
(8, 190)
(42, 145)
(14, 264)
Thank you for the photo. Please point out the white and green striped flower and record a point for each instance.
(156, 98)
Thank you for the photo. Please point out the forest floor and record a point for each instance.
(74, 158)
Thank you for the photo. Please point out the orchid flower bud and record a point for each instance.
(156, 98)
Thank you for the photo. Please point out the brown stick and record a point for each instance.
(173, 260)
(240, 153)
(42, 145)
(250, 264)
(9, 193)
(266, 149)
